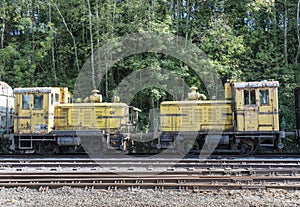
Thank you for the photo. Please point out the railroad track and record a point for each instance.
(147, 162)
(161, 181)
(131, 173)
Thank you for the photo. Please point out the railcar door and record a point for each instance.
(246, 109)
(268, 109)
(39, 115)
(22, 113)
(250, 110)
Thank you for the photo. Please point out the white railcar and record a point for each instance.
(6, 108)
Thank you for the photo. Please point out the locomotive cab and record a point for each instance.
(256, 106)
(256, 113)
(34, 114)
(34, 108)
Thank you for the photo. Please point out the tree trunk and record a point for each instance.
(92, 45)
(72, 36)
(178, 12)
(3, 32)
(2, 43)
(98, 22)
(285, 33)
(52, 45)
(187, 23)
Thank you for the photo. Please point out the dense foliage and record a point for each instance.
(46, 42)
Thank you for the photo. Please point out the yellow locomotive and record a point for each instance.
(34, 116)
(46, 121)
(246, 119)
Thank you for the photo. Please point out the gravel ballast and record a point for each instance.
(95, 197)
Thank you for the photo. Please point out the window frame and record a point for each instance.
(56, 98)
(41, 104)
(52, 99)
(27, 101)
(263, 103)
(250, 97)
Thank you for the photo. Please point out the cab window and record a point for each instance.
(56, 97)
(249, 97)
(52, 99)
(38, 101)
(264, 97)
(25, 101)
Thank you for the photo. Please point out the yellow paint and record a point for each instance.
(97, 116)
(257, 116)
(260, 113)
(32, 119)
(196, 115)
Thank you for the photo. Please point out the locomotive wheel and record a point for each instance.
(184, 147)
(195, 149)
(247, 147)
(94, 146)
(46, 149)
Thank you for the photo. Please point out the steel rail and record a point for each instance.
(151, 173)
(163, 160)
(161, 181)
(151, 164)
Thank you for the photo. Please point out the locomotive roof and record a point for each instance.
(106, 104)
(261, 84)
(5, 89)
(196, 102)
(33, 90)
